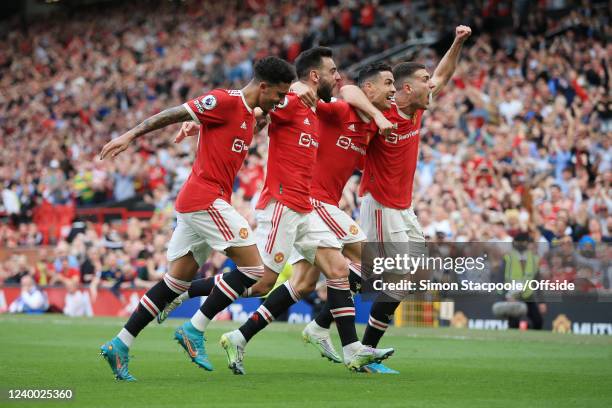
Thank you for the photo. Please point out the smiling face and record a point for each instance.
(271, 95)
(380, 89)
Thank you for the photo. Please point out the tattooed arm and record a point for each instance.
(162, 119)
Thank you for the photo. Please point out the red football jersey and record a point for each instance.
(226, 133)
(291, 155)
(344, 134)
(391, 161)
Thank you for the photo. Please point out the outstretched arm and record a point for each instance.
(162, 119)
(445, 69)
(356, 98)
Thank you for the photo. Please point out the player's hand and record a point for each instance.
(116, 146)
(261, 122)
(187, 129)
(305, 93)
(384, 126)
(462, 32)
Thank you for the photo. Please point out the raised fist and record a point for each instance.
(462, 32)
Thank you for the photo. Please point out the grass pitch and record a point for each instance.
(439, 368)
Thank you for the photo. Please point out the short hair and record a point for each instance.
(311, 59)
(522, 237)
(371, 70)
(274, 71)
(405, 70)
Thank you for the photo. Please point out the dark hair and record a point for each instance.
(371, 70)
(522, 237)
(405, 70)
(311, 59)
(274, 71)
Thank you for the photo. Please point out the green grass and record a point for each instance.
(439, 368)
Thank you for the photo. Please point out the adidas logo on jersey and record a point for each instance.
(306, 122)
(243, 126)
(351, 127)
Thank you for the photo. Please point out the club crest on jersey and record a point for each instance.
(307, 140)
(209, 102)
(279, 257)
(392, 138)
(239, 146)
(353, 229)
(244, 233)
(344, 142)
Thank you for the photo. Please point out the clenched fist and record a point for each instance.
(187, 129)
(462, 32)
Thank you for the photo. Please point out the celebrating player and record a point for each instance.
(386, 185)
(345, 133)
(286, 221)
(205, 220)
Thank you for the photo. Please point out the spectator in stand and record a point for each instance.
(76, 302)
(110, 275)
(30, 300)
(66, 274)
(11, 203)
(519, 140)
(15, 268)
(43, 268)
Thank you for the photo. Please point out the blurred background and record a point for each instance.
(518, 142)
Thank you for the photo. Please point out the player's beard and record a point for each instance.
(325, 91)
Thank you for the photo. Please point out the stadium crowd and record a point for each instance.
(519, 141)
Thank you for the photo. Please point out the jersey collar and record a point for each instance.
(402, 114)
(245, 102)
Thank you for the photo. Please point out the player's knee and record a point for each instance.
(262, 288)
(304, 288)
(338, 271)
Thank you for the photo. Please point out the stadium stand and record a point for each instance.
(519, 141)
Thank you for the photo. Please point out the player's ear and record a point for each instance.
(263, 86)
(314, 76)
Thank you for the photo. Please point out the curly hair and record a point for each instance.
(274, 70)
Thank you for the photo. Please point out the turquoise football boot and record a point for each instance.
(377, 368)
(192, 340)
(115, 352)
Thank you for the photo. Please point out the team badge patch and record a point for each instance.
(353, 229)
(279, 257)
(244, 233)
(209, 102)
